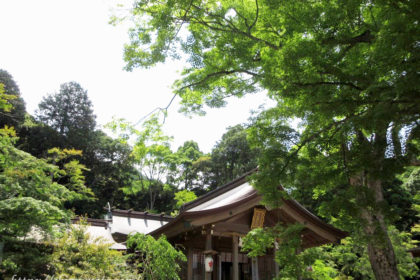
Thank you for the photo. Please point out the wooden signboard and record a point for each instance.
(258, 218)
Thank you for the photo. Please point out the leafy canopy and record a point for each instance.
(29, 195)
(348, 70)
(155, 259)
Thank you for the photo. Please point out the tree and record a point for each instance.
(184, 171)
(232, 156)
(347, 70)
(66, 120)
(29, 196)
(77, 255)
(155, 259)
(110, 165)
(70, 113)
(16, 115)
(152, 156)
(181, 198)
(31, 204)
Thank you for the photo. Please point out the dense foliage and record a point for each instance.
(16, 113)
(347, 70)
(77, 255)
(155, 259)
(32, 199)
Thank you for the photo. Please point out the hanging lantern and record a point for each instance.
(209, 263)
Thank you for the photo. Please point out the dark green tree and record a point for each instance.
(70, 113)
(66, 120)
(184, 170)
(347, 70)
(110, 169)
(16, 116)
(232, 156)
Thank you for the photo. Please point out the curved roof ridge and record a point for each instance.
(189, 211)
(218, 191)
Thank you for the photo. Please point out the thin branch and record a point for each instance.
(242, 17)
(216, 74)
(231, 28)
(183, 19)
(329, 83)
(10, 116)
(256, 17)
(165, 109)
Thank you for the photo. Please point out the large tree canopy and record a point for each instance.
(69, 112)
(348, 70)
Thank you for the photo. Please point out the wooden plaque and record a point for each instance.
(258, 218)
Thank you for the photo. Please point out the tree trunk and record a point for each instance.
(383, 262)
(380, 250)
(152, 199)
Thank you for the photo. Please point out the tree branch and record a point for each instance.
(256, 17)
(315, 135)
(216, 74)
(329, 83)
(231, 28)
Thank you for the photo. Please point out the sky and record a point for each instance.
(45, 43)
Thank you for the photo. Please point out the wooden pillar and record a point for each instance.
(219, 267)
(208, 275)
(254, 268)
(235, 257)
(190, 264)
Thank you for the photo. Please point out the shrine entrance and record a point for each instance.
(226, 267)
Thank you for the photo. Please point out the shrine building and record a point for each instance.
(210, 229)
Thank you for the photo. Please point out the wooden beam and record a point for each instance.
(235, 257)
(232, 227)
(228, 234)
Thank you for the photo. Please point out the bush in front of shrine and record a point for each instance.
(155, 259)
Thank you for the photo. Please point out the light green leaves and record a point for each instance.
(78, 255)
(29, 196)
(152, 156)
(4, 99)
(156, 259)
